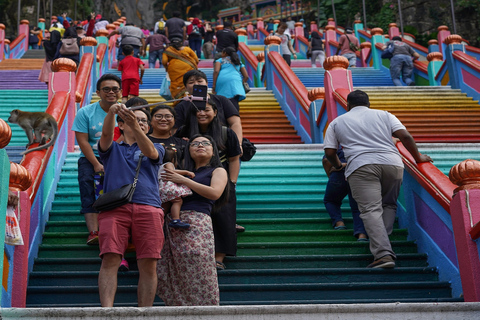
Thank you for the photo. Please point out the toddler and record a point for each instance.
(171, 193)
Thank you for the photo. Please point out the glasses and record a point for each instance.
(144, 121)
(108, 89)
(163, 116)
(196, 144)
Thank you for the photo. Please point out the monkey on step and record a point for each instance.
(37, 123)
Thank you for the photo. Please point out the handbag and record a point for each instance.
(246, 87)
(309, 53)
(248, 147)
(249, 150)
(165, 88)
(69, 47)
(117, 198)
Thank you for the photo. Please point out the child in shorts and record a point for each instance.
(171, 193)
(131, 81)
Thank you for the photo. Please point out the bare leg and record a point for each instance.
(91, 220)
(175, 208)
(124, 99)
(107, 278)
(147, 282)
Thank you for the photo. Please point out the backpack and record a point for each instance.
(69, 47)
(195, 30)
(388, 52)
(161, 25)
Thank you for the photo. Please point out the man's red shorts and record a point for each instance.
(130, 87)
(143, 223)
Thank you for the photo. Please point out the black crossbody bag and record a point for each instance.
(117, 198)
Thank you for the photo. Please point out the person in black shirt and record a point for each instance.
(316, 48)
(175, 27)
(226, 38)
(208, 33)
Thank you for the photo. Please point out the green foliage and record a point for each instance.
(385, 16)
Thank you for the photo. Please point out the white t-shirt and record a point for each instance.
(366, 137)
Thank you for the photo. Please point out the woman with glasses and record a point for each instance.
(186, 271)
(224, 216)
(163, 120)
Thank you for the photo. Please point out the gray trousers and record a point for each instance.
(376, 187)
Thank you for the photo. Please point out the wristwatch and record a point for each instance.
(339, 167)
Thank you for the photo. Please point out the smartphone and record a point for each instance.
(200, 91)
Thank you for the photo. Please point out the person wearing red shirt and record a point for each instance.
(130, 79)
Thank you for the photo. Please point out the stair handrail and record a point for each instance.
(301, 45)
(262, 34)
(463, 69)
(288, 90)
(45, 167)
(102, 59)
(251, 64)
(472, 51)
(4, 181)
(19, 46)
(84, 80)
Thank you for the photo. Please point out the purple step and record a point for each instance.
(21, 80)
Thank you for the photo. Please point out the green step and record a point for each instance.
(252, 276)
(315, 248)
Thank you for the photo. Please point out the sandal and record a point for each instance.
(239, 228)
(220, 265)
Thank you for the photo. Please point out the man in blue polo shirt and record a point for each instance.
(142, 219)
(88, 128)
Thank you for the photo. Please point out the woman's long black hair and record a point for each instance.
(233, 55)
(191, 127)
(215, 162)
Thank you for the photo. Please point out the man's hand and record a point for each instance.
(333, 169)
(129, 117)
(98, 167)
(114, 108)
(92, 15)
(424, 158)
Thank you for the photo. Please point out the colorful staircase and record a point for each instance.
(361, 77)
(431, 114)
(289, 253)
(264, 121)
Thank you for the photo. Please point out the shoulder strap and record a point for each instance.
(224, 134)
(137, 171)
(179, 57)
(348, 38)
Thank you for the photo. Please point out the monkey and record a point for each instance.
(38, 123)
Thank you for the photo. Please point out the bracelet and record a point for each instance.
(340, 167)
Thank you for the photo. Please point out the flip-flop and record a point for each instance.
(220, 265)
(340, 228)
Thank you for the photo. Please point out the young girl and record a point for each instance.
(171, 193)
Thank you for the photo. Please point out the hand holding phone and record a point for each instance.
(200, 91)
